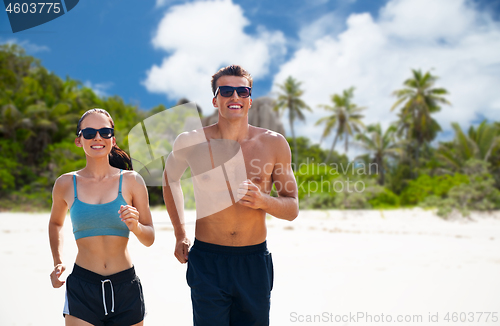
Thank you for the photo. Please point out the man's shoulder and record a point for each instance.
(189, 138)
(269, 136)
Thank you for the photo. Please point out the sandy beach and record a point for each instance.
(398, 267)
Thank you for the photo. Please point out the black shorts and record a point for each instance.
(230, 285)
(104, 300)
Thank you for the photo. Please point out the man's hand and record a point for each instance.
(249, 195)
(182, 249)
(130, 216)
(56, 273)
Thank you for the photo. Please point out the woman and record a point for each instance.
(106, 203)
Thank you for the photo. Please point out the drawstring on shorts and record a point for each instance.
(104, 297)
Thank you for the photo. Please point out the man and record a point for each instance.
(234, 166)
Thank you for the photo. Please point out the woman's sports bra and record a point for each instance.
(98, 219)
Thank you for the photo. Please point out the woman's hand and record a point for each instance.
(130, 216)
(56, 273)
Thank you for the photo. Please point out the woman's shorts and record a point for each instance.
(104, 300)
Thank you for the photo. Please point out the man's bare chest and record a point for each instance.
(249, 160)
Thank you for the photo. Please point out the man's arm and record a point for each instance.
(286, 206)
(174, 201)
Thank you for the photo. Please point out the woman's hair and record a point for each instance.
(118, 158)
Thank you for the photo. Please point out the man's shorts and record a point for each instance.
(104, 300)
(230, 285)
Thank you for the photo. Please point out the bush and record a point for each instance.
(385, 199)
(424, 186)
(353, 197)
(321, 186)
(317, 201)
(313, 179)
(478, 194)
(9, 164)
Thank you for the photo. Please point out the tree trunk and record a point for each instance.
(346, 139)
(380, 163)
(295, 149)
(331, 149)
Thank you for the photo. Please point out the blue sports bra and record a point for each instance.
(98, 219)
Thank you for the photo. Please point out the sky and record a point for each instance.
(155, 52)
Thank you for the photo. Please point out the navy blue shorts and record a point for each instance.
(104, 300)
(230, 285)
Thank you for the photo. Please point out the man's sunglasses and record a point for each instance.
(227, 91)
(90, 133)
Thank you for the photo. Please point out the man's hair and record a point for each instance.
(232, 70)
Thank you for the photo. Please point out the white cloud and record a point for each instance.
(100, 89)
(161, 3)
(449, 37)
(427, 20)
(28, 46)
(200, 38)
(328, 24)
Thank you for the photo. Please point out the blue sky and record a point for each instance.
(153, 52)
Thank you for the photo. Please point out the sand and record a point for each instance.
(330, 267)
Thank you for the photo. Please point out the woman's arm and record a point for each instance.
(56, 222)
(138, 215)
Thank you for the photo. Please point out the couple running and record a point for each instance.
(230, 270)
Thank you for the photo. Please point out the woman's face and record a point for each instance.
(98, 146)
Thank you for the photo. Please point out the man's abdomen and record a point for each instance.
(234, 226)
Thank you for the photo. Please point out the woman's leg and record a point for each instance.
(73, 321)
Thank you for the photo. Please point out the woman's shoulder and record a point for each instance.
(66, 178)
(64, 182)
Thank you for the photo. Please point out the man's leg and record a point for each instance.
(251, 301)
(207, 277)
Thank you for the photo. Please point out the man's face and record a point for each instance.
(234, 106)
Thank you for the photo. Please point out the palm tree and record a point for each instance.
(381, 145)
(480, 143)
(419, 100)
(346, 118)
(289, 99)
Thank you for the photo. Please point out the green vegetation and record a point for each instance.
(420, 101)
(425, 186)
(399, 166)
(38, 116)
(382, 145)
(478, 193)
(478, 144)
(345, 119)
(289, 99)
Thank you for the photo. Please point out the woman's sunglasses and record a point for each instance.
(227, 91)
(90, 133)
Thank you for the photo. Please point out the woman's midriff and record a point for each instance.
(104, 255)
